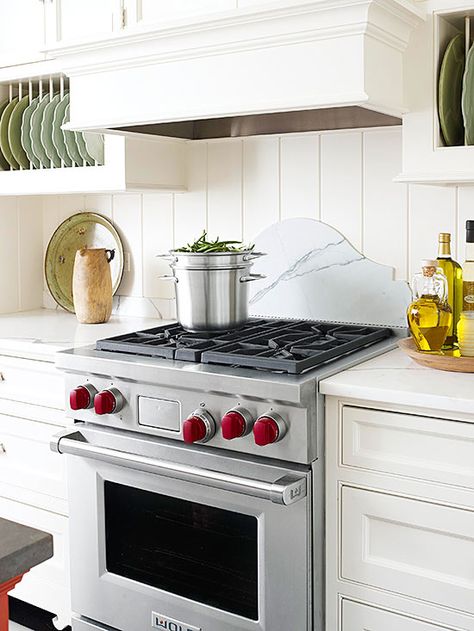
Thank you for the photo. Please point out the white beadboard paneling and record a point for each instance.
(432, 210)
(127, 214)
(465, 212)
(341, 183)
(261, 195)
(70, 205)
(101, 204)
(157, 239)
(30, 225)
(225, 189)
(9, 294)
(299, 176)
(385, 219)
(190, 217)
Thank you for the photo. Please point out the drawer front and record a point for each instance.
(26, 460)
(46, 585)
(417, 549)
(429, 449)
(357, 617)
(31, 381)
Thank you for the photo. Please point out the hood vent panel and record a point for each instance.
(264, 124)
(280, 67)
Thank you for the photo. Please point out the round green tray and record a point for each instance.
(81, 230)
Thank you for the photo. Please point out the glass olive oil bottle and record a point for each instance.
(468, 273)
(453, 272)
(429, 315)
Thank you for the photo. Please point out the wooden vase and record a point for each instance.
(92, 285)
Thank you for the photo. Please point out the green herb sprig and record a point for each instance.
(203, 246)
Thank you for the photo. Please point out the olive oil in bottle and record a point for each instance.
(468, 272)
(453, 272)
(429, 315)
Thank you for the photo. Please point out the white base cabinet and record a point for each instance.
(399, 519)
(32, 479)
(357, 617)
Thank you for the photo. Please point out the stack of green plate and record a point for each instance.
(450, 89)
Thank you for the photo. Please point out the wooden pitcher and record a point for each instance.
(92, 285)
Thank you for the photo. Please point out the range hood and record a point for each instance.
(278, 67)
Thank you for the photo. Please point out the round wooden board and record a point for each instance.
(449, 362)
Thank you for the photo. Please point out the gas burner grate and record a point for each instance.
(286, 346)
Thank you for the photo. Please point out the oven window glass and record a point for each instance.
(200, 552)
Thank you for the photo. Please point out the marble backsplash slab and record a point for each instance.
(313, 272)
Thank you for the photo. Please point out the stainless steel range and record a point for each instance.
(196, 475)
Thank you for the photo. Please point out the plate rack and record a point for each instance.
(447, 26)
(41, 87)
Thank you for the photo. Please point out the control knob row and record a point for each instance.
(85, 397)
(200, 427)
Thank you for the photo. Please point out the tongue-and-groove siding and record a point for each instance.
(236, 188)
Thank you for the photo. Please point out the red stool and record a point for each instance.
(4, 589)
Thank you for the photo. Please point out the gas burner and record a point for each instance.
(286, 346)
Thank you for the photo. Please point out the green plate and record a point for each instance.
(47, 131)
(468, 98)
(35, 132)
(81, 145)
(450, 91)
(14, 132)
(4, 143)
(95, 146)
(26, 132)
(58, 134)
(78, 231)
(4, 166)
(70, 140)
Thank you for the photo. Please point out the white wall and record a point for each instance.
(238, 187)
(21, 251)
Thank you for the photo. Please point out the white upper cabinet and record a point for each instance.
(73, 20)
(426, 158)
(148, 12)
(22, 34)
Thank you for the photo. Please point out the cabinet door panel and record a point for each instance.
(21, 32)
(155, 11)
(70, 20)
(31, 382)
(357, 617)
(429, 449)
(26, 460)
(417, 549)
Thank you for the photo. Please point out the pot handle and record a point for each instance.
(254, 255)
(250, 277)
(168, 277)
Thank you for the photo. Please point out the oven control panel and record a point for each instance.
(227, 422)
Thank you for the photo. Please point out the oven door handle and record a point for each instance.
(286, 490)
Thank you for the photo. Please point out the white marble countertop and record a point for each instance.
(395, 378)
(39, 334)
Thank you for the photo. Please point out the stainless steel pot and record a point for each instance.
(211, 297)
(210, 259)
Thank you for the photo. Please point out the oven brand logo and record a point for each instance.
(169, 624)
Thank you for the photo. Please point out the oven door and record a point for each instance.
(166, 536)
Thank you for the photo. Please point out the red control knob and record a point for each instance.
(236, 423)
(233, 425)
(108, 402)
(82, 397)
(199, 427)
(268, 430)
(194, 429)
